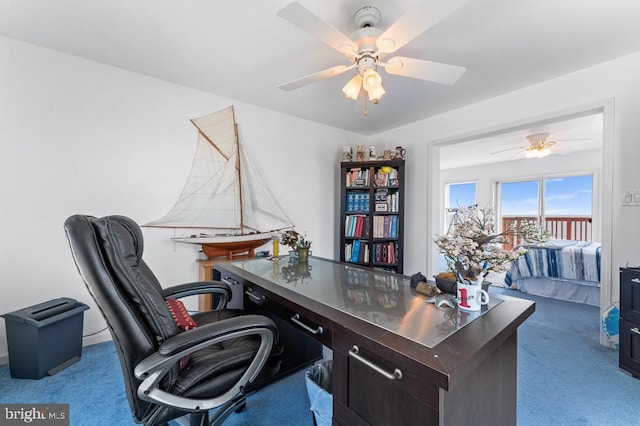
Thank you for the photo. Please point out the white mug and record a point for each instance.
(471, 297)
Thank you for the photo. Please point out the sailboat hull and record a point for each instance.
(229, 246)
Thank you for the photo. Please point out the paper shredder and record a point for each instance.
(45, 338)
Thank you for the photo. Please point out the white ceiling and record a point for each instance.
(583, 133)
(244, 51)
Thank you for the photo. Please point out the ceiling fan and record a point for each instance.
(366, 47)
(538, 147)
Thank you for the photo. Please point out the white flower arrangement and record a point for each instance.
(473, 248)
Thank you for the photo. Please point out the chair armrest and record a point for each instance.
(219, 330)
(200, 287)
(154, 368)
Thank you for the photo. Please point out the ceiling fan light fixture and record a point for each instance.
(352, 89)
(371, 79)
(539, 152)
(376, 93)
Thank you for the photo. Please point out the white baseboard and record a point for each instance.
(101, 337)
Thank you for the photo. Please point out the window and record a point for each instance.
(564, 205)
(461, 194)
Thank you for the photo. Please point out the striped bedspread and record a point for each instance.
(576, 261)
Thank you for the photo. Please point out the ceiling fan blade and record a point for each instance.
(508, 149)
(418, 19)
(518, 154)
(303, 18)
(424, 70)
(312, 78)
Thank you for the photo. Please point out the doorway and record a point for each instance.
(601, 169)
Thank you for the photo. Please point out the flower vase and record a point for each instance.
(471, 296)
(303, 254)
(445, 285)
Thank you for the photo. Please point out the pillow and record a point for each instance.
(183, 321)
(180, 315)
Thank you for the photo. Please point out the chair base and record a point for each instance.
(217, 418)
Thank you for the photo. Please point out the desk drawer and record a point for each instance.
(402, 395)
(629, 359)
(298, 318)
(630, 294)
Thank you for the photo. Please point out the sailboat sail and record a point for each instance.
(224, 189)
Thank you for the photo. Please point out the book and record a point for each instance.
(394, 226)
(356, 251)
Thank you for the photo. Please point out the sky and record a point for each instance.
(564, 196)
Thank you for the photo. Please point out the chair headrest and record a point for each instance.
(114, 245)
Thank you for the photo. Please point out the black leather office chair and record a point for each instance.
(169, 372)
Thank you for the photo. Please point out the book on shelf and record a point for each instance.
(386, 179)
(394, 226)
(356, 226)
(386, 201)
(385, 226)
(357, 177)
(357, 252)
(385, 252)
(357, 202)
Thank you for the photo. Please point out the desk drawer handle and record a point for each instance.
(355, 352)
(230, 281)
(635, 330)
(260, 298)
(635, 280)
(296, 319)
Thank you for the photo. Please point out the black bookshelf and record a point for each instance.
(372, 213)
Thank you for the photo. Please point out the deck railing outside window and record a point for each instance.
(577, 228)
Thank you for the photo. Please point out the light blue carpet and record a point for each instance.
(564, 378)
(94, 390)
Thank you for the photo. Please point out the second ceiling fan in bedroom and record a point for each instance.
(366, 47)
(539, 146)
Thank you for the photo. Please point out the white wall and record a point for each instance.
(615, 80)
(80, 137)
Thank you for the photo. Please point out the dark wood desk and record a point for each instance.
(397, 360)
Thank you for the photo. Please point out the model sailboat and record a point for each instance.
(224, 192)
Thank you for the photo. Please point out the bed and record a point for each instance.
(561, 269)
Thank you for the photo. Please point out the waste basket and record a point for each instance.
(318, 380)
(45, 338)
